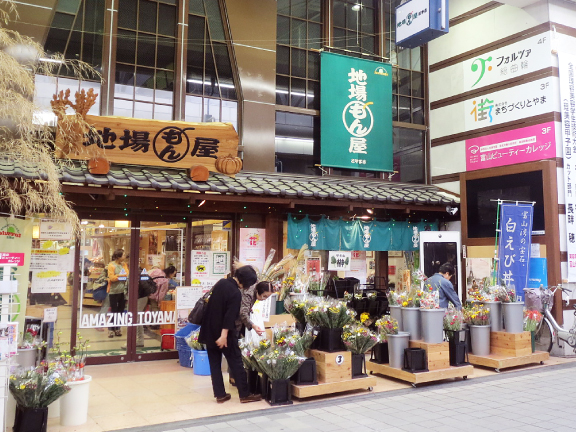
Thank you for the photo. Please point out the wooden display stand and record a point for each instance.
(438, 356)
(509, 350)
(334, 375)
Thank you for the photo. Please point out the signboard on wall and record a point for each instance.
(158, 143)
(510, 61)
(420, 21)
(339, 260)
(356, 113)
(567, 67)
(253, 247)
(514, 103)
(527, 144)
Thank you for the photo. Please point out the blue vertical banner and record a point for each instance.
(514, 246)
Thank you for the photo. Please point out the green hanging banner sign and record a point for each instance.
(355, 113)
(356, 235)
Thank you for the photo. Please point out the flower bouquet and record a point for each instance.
(251, 351)
(453, 320)
(71, 366)
(477, 315)
(279, 363)
(358, 339)
(297, 307)
(413, 298)
(430, 300)
(330, 314)
(532, 318)
(386, 326)
(478, 319)
(393, 298)
(192, 341)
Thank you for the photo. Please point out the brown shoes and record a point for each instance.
(251, 398)
(224, 398)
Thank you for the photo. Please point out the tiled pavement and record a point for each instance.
(524, 401)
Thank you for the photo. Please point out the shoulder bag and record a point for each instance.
(196, 315)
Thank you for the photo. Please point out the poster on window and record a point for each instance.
(49, 281)
(358, 266)
(187, 296)
(55, 230)
(200, 264)
(339, 261)
(220, 264)
(253, 247)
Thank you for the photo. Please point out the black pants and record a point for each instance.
(116, 305)
(234, 358)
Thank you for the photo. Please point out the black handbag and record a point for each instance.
(196, 314)
(146, 287)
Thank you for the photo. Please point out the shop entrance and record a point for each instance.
(129, 322)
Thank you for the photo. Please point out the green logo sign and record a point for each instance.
(480, 64)
(355, 113)
(10, 231)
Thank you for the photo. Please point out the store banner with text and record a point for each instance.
(510, 61)
(567, 67)
(15, 244)
(157, 143)
(356, 113)
(527, 144)
(514, 245)
(356, 235)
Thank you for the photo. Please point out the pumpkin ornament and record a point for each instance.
(229, 164)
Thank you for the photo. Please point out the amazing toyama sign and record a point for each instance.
(127, 319)
(356, 113)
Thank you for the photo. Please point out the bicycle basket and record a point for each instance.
(535, 298)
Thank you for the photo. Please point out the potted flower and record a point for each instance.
(411, 320)
(532, 319)
(395, 306)
(478, 319)
(330, 316)
(199, 354)
(512, 310)
(397, 341)
(358, 339)
(457, 344)
(279, 364)
(431, 317)
(33, 391)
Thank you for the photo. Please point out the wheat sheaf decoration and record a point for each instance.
(25, 141)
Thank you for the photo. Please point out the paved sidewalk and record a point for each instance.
(524, 401)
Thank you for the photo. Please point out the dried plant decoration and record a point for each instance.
(24, 143)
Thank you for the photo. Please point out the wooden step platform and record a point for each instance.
(321, 389)
(420, 377)
(498, 361)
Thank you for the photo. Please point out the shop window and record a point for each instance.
(296, 138)
(409, 160)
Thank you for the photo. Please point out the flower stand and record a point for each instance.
(513, 317)
(307, 373)
(415, 360)
(432, 321)
(31, 419)
(380, 353)
(279, 392)
(411, 322)
(509, 350)
(359, 366)
(396, 345)
(74, 404)
(396, 313)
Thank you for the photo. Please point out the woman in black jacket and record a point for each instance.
(218, 333)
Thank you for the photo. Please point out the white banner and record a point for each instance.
(514, 103)
(511, 61)
(567, 65)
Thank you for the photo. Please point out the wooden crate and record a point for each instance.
(304, 391)
(498, 362)
(279, 319)
(328, 367)
(438, 355)
(420, 377)
(510, 344)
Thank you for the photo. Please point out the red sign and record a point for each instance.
(11, 259)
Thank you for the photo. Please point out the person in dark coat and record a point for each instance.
(218, 333)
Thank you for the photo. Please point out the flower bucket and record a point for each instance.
(415, 360)
(411, 322)
(533, 340)
(432, 321)
(279, 307)
(331, 339)
(253, 381)
(279, 392)
(513, 317)
(74, 404)
(396, 313)
(273, 299)
(359, 366)
(480, 338)
(457, 347)
(380, 353)
(31, 419)
(27, 357)
(396, 346)
(495, 315)
(307, 373)
(200, 363)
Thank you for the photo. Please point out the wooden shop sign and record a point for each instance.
(155, 143)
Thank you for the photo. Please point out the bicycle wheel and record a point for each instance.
(543, 337)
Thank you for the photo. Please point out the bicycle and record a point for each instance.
(549, 331)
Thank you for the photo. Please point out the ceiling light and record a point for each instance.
(369, 211)
(101, 226)
(84, 222)
(202, 203)
(357, 7)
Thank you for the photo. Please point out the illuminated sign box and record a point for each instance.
(420, 21)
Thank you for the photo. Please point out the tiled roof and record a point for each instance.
(247, 183)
